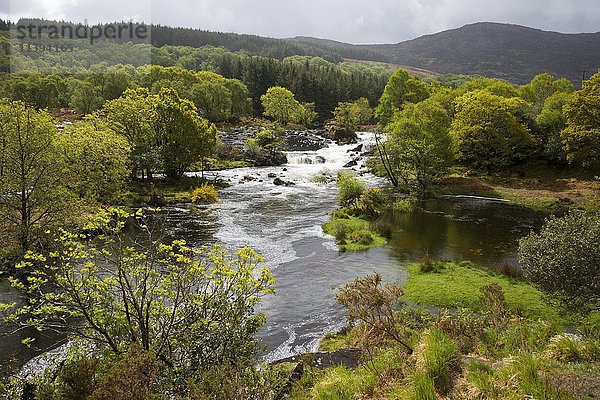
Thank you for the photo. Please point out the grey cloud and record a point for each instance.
(355, 21)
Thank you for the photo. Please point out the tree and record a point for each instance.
(401, 88)
(279, 103)
(346, 118)
(564, 259)
(581, 137)
(32, 197)
(365, 113)
(418, 144)
(132, 116)
(493, 86)
(96, 160)
(85, 97)
(183, 136)
(194, 309)
(541, 87)
(266, 148)
(550, 123)
(306, 114)
(486, 132)
(212, 98)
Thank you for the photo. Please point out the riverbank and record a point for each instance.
(510, 347)
(534, 186)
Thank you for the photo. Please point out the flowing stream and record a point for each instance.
(283, 223)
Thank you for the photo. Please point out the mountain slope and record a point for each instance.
(512, 52)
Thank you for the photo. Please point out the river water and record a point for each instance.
(283, 223)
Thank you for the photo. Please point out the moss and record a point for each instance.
(352, 233)
(458, 286)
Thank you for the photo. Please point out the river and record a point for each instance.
(283, 223)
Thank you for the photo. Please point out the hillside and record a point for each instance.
(512, 52)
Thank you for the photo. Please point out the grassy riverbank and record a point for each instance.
(534, 186)
(456, 285)
(512, 348)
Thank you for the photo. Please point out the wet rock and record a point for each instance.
(352, 163)
(272, 175)
(357, 149)
(349, 358)
(278, 182)
(285, 169)
(249, 178)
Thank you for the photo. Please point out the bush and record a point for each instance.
(205, 194)
(564, 259)
(429, 265)
(403, 206)
(350, 189)
(370, 203)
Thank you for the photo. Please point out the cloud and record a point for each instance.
(355, 21)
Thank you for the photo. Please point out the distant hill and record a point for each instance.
(512, 52)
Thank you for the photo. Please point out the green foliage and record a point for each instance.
(581, 137)
(497, 87)
(401, 88)
(364, 111)
(541, 88)
(266, 148)
(350, 189)
(279, 103)
(183, 136)
(564, 259)
(132, 116)
(418, 145)
(32, 195)
(457, 286)
(194, 309)
(96, 160)
(551, 122)
(205, 194)
(346, 119)
(487, 133)
(352, 233)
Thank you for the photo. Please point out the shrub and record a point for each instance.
(133, 377)
(463, 326)
(564, 259)
(350, 189)
(428, 265)
(373, 306)
(205, 194)
(370, 203)
(403, 206)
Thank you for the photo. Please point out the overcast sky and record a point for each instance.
(353, 21)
